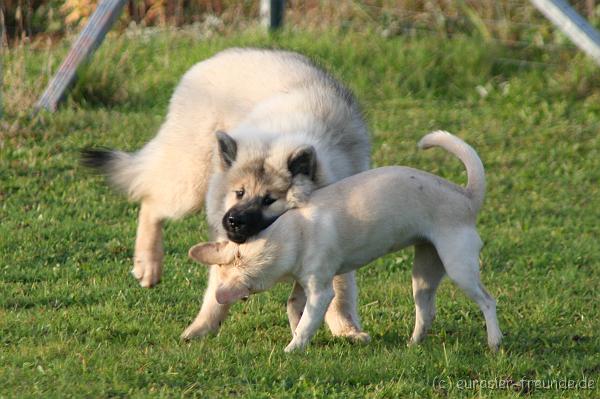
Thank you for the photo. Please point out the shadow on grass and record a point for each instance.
(52, 302)
(540, 344)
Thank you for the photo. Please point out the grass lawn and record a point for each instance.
(73, 322)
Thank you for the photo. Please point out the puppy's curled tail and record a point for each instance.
(475, 172)
(122, 169)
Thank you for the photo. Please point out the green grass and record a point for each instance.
(73, 322)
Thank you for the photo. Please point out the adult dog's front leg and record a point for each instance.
(211, 314)
(342, 316)
(148, 258)
(295, 305)
(318, 298)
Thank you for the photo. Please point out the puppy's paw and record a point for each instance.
(494, 346)
(415, 339)
(494, 341)
(294, 346)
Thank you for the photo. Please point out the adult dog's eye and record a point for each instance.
(239, 193)
(268, 200)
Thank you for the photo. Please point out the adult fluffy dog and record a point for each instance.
(290, 128)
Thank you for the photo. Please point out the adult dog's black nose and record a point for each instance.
(242, 224)
(237, 222)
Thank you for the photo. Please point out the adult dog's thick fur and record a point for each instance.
(255, 132)
(348, 224)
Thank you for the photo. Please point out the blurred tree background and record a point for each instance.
(507, 20)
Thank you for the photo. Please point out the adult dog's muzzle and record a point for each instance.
(243, 224)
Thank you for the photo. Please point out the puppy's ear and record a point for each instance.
(229, 293)
(303, 161)
(212, 253)
(227, 149)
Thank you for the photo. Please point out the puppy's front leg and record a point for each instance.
(318, 297)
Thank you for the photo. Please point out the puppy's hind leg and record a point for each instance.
(427, 273)
(459, 252)
(342, 316)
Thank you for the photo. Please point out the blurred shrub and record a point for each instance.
(26, 18)
(502, 19)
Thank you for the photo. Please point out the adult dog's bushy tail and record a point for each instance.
(122, 169)
(468, 156)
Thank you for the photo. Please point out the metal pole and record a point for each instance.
(271, 13)
(87, 42)
(2, 38)
(572, 24)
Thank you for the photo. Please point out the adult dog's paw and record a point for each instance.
(147, 272)
(195, 331)
(359, 337)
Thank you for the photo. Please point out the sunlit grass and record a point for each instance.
(73, 322)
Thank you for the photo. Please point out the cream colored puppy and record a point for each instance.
(350, 223)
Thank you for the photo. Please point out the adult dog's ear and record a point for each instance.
(212, 253)
(227, 149)
(303, 161)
